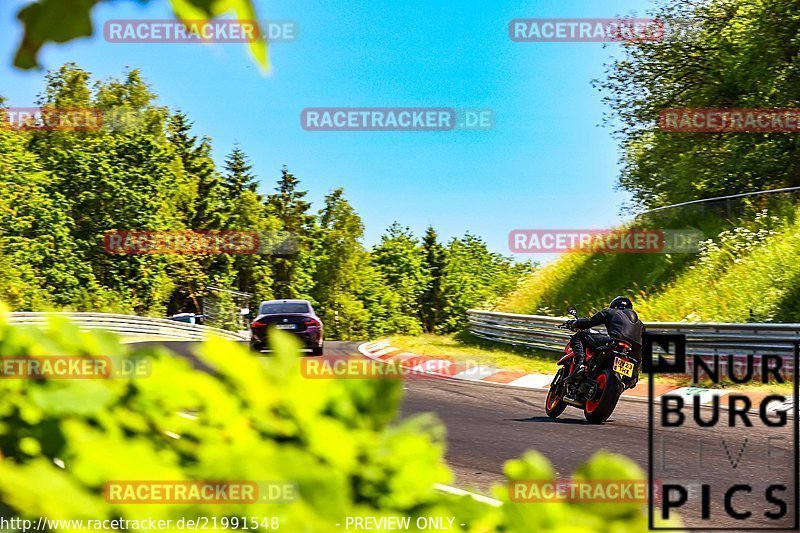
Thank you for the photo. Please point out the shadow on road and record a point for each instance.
(551, 420)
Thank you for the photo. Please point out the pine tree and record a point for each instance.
(246, 212)
(338, 273)
(432, 302)
(207, 211)
(287, 204)
(238, 176)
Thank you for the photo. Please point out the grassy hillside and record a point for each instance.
(748, 271)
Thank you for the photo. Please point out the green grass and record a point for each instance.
(466, 347)
(749, 274)
(761, 284)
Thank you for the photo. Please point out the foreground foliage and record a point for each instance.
(60, 21)
(246, 419)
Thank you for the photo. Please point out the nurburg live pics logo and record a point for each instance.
(740, 472)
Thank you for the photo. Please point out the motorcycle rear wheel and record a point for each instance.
(554, 403)
(609, 389)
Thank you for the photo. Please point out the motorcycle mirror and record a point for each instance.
(572, 311)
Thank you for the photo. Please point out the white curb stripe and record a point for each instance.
(532, 381)
(477, 373)
(384, 351)
(460, 492)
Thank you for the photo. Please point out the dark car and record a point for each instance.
(293, 316)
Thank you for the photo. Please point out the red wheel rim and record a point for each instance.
(591, 405)
(553, 399)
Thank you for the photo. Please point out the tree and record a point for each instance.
(475, 277)
(432, 301)
(245, 211)
(205, 209)
(338, 268)
(238, 177)
(292, 273)
(114, 179)
(143, 170)
(37, 251)
(399, 257)
(738, 57)
(195, 156)
(61, 191)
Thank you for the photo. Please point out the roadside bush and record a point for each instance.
(244, 418)
(745, 274)
(746, 271)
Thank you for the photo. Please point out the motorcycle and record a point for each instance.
(609, 371)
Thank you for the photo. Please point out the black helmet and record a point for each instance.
(621, 302)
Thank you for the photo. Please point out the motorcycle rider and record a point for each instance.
(621, 322)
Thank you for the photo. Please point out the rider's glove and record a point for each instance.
(570, 324)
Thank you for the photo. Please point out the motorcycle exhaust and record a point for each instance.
(573, 402)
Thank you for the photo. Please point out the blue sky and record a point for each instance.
(546, 164)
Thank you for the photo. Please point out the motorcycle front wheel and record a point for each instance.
(554, 403)
(598, 409)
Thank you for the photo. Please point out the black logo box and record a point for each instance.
(678, 365)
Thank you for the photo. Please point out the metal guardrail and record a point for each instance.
(702, 338)
(128, 325)
(719, 198)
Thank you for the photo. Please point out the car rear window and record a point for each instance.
(280, 308)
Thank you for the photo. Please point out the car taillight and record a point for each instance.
(310, 322)
(258, 324)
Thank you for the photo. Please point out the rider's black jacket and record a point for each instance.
(622, 324)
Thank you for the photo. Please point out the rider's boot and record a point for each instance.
(580, 368)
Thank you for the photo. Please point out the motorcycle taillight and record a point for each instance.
(622, 347)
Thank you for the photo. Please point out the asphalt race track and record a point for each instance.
(488, 424)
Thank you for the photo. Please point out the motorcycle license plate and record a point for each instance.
(623, 367)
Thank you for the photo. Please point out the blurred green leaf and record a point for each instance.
(208, 9)
(60, 21)
(51, 21)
